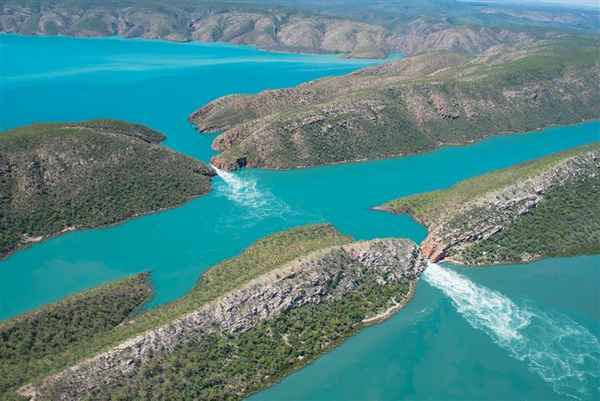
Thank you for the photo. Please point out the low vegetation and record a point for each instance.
(355, 28)
(219, 367)
(261, 257)
(58, 177)
(429, 207)
(412, 105)
(26, 341)
(565, 223)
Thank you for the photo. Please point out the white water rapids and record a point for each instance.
(258, 203)
(561, 351)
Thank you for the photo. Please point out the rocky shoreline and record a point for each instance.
(330, 273)
(484, 208)
(266, 27)
(406, 107)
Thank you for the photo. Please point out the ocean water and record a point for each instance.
(503, 333)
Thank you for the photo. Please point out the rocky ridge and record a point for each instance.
(416, 104)
(458, 222)
(325, 274)
(270, 28)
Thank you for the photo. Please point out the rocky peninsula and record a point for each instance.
(56, 178)
(267, 320)
(547, 207)
(413, 105)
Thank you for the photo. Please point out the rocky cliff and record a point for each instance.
(267, 27)
(329, 274)
(58, 177)
(544, 208)
(416, 104)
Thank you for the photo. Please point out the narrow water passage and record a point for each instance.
(258, 203)
(555, 347)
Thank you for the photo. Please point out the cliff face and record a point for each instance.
(87, 174)
(328, 274)
(412, 105)
(515, 215)
(262, 26)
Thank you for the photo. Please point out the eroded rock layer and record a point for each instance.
(409, 106)
(544, 208)
(328, 274)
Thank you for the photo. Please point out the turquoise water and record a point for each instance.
(439, 347)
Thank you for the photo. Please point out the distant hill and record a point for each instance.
(352, 28)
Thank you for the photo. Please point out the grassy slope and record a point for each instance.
(57, 176)
(259, 258)
(27, 340)
(566, 221)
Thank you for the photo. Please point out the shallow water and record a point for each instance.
(431, 350)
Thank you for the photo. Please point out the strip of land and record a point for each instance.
(317, 27)
(547, 207)
(30, 339)
(250, 321)
(413, 105)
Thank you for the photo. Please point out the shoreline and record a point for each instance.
(43, 238)
(277, 50)
(389, 312)
(400, 155)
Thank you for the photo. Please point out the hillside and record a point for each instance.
(250, 321)
(416, 104)
(55, 328)
(59, 177)
(267, 25)
(548, 207)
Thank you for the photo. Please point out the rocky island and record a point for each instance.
(547, 207)
(416, 104)
(250, 321)
(59, 177)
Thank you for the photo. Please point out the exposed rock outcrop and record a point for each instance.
(325, 274)
(408, 106)
(477, 210)
(495, 210)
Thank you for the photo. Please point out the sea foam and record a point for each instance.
(258, 203)
(558, 349)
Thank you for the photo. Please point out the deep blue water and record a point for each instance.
(439, 347)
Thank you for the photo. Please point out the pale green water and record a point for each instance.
(437, 348)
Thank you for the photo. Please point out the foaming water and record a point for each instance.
(558, 349)
(257, 202)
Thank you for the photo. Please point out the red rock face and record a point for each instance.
(229, 165)
(432, 250)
